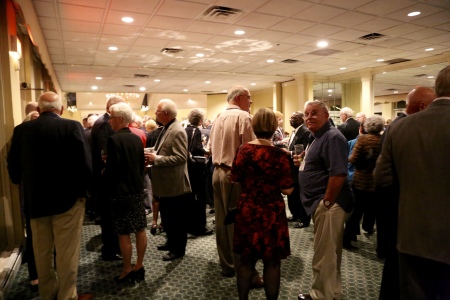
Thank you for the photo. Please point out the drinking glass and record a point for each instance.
(149, 150)
(298, 149)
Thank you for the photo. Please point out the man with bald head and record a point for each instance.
(45, 156)
(100, 133)
(31, 106)
(387, 202)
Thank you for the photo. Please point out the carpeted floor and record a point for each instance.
(197, 275)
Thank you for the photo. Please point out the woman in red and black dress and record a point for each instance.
(261, 230)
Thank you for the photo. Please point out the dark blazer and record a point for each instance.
(100, 133)
(125, 164)
(152, 136)
(350, 129)
(195, 142)
(50, 156)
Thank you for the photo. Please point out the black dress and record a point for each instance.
(124, 173)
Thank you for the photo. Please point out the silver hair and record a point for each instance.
(195, 116)
(169, 106)
(50, 105)
(236, 91)
(374, 124)
(123, 110)
(91, 120)
(137, 119)
(347, 111)
(316, 102)
(114, 99)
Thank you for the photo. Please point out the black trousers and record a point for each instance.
(174, 213)
(295, 205)
(110, 239)
(197, 178)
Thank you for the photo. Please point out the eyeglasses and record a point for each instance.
(249, 97)
(158, 111)
(313, 114)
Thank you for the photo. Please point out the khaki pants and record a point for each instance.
(60, 232)
(326, 263)
(224, 233)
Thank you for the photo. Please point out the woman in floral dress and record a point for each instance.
(261, 230)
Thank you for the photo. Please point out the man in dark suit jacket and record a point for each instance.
(387, 204)
(349, 127)
(299, 136)
(100, 133)
(49, 156)
(170, 179)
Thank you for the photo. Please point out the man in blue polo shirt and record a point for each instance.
(326, 195)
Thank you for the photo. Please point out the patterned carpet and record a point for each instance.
(197, 275)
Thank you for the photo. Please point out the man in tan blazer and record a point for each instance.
(415, 154)
(170, 180)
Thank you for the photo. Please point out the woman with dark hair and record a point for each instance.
(197, 175)
(123, 173)
(261, 229)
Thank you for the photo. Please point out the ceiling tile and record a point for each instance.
(51, 34)
(423, 34)
(284, 7)
(402, 14)
(401, 30)
(319, 13)
(115, 17)
(48, 23)
(322, 30)
(182, 9)
(124, 30)
(378, 24)
(439, 18)
(83, 13)
(44, 9)
(206, 27)
(96, 3)
(382, 8)
(259, 20)
(139, 6)
(80, 26)
(347, 4)
(350, 19)
(292, 25)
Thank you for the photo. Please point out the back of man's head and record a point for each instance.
(347, 111)
(113, 100)
(50, 101)
(31, 106)
(419, 99)
(442, 84)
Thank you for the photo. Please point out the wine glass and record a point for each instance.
(149, 150)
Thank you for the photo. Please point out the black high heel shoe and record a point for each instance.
(139, 274)
(127, 278)
(153, 230)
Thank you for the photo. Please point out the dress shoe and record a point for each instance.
(34, 288)
(205, 231)
(171, 256)
(127, 278)
(163, 247)
(85, 296)
(292, 219)
(139, 274)
(300, 225)
(112, 257)
(228, 275)
(304, 297)
(349, 246)
(257, 283)
(153, 229)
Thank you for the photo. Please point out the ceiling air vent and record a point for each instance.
(324, 52)
(140, 76)
(222, 13)
(290, 61)
(372, 36)
(396, 61)
(129, 85)
(171, 50)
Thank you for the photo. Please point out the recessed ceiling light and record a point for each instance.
(343, 68)
(384, 72)
(127, 19)
(395, 92)
(199, 54)
(322, 44)
(329, 94)
(414, 13)
(113, 48)
(270, 60)
(90, 102)
(190, 100)
(330, 90)
(98, 78)
(239, 32)
(142, 88)
(157, 80)
(380, 60)
(252, 83)
(224, 91)
(185, 90)
(429, 49)
(430, 77)
(423, 66)
(94, 87)
(207, 82)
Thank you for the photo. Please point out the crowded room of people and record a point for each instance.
(225, 149)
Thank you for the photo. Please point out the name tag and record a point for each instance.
(302, 166)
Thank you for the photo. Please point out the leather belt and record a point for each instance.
(223, 167)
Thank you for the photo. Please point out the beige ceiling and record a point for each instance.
(78, 33)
